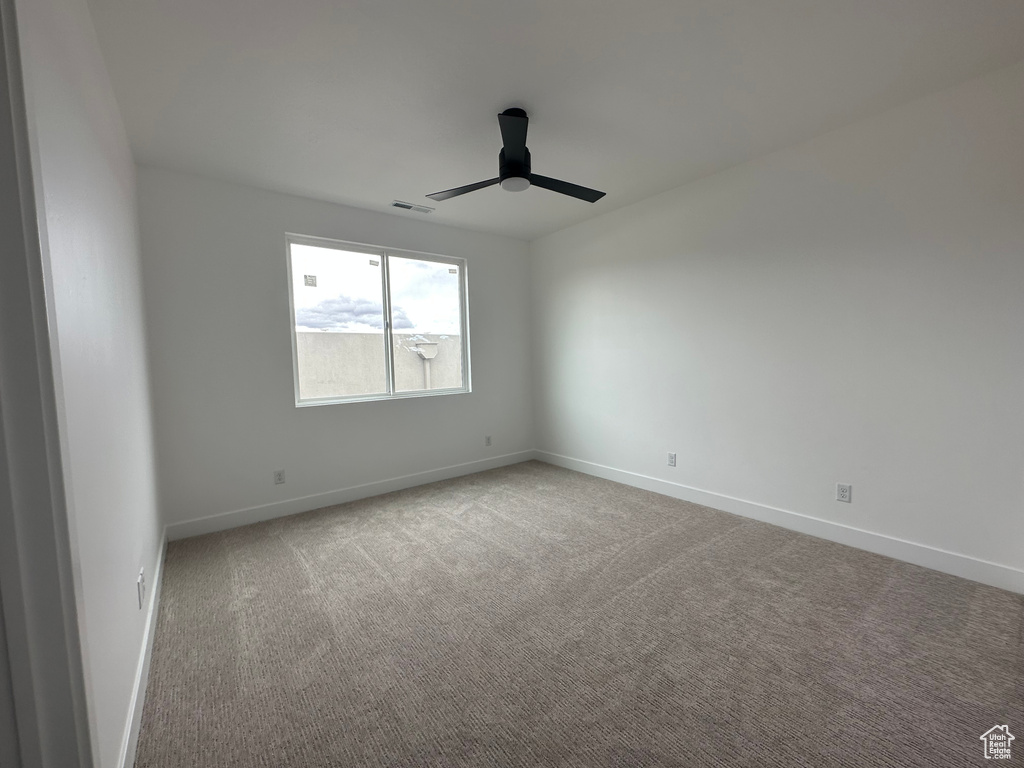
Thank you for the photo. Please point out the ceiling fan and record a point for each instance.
(514, 172)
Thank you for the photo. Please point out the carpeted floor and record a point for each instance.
(533, 616)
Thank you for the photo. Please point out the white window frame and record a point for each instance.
(383, 253)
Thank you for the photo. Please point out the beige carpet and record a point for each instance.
(533, 616)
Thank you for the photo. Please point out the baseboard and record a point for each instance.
(967, 567)
(131, 736)
(225, 520)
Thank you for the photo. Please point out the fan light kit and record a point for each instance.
(514, 172)
(515, 184)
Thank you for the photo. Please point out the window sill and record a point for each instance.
(379, 398)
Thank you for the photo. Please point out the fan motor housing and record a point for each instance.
(509, 169)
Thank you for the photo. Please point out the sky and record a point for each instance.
(347, 295)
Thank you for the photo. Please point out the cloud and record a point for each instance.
(423, 279)
(345, 313)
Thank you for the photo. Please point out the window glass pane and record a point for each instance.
(426, 318)
(339, 322)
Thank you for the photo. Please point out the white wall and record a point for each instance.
(85, 182)
(217, 304)
(849, 310)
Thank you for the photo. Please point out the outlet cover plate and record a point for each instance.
(844, 492)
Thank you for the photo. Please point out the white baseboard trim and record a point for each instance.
(130, 743)
(967, 567)
(225, 520)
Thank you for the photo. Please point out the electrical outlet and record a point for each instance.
(487, 440)
(140, 585)
(278, 476)
(844, 492)
(671, 459)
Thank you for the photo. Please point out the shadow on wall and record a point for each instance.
(340, 364)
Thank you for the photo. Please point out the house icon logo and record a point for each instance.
(997, 742)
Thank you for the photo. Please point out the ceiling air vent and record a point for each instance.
(410, 206)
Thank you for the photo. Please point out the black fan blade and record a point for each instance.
(513, 123)
(565, 188)
(449, 193)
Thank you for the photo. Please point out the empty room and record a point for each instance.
(436, 383)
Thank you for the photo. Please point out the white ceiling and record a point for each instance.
(365, 101)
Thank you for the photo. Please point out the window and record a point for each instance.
(372, 323)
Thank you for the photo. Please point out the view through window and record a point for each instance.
(374, 323)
